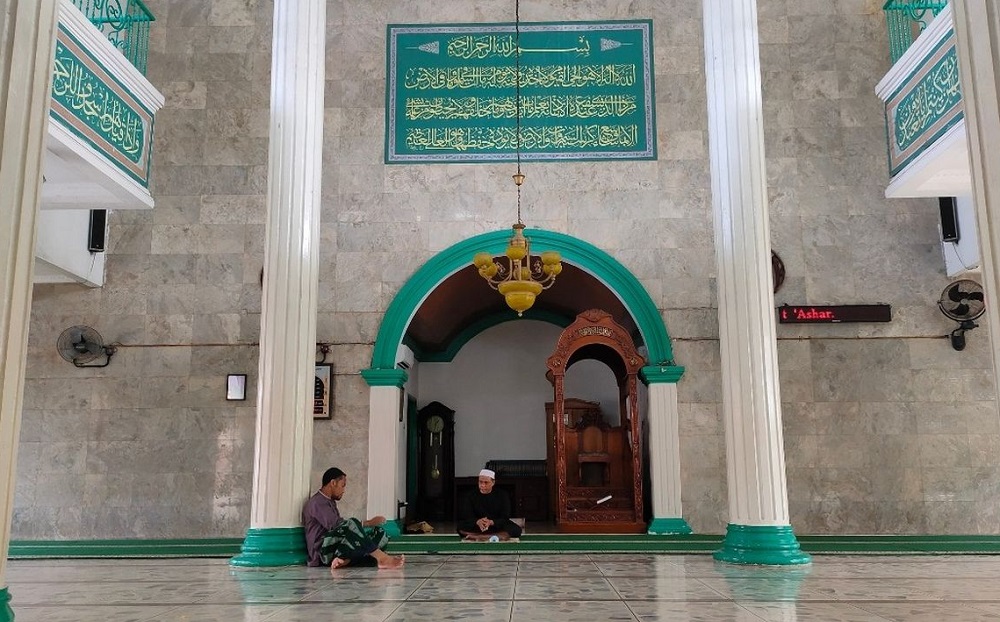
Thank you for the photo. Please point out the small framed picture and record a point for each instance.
(236, 387)
(323, 392)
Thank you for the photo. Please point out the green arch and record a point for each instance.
(577, 252)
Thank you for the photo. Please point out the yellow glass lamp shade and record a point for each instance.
(520, 295)
(487, 267)
(551, 263)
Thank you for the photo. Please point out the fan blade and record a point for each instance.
(81, 346)
(955, 294)
(962, 309)
(94, 348)
(976, 296)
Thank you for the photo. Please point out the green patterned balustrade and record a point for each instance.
(125, 23)
(906, 19)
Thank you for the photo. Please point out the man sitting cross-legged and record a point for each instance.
(336, 542)
(486, 512)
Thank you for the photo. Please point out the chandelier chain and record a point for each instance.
(517, 98)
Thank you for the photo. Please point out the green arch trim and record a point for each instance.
(385, 377)
(479, 326)
(577, 252)
(661, 374)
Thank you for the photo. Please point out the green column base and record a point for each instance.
(279, 546)
(668, 526)
(772, 545)
(391, 528)
(6, 613)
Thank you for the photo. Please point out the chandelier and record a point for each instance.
(519, 276)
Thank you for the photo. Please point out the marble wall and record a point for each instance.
(887, 429)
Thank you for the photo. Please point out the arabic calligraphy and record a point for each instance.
(464, 139)
(469, 47)
(937, 92)
(543, 76)
(83, 93)
(536, 107)
(558, 91)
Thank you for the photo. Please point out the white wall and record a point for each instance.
(496, 385)
(61, 250)
(962, 256)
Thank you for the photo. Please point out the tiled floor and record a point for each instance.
(511, 587)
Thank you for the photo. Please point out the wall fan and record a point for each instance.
(962, 301)
(82, 344)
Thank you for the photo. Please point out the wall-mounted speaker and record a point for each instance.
(949, 219)
(98, 229)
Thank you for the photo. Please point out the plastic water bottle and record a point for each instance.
(494, 538)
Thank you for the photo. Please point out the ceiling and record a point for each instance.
(464, 299)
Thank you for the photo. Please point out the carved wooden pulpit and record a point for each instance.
(597, 467)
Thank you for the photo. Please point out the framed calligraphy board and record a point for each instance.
(586, 92)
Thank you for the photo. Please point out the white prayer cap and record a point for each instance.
(487, 473)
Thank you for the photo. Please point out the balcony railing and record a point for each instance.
(125, 23)
(906, 19)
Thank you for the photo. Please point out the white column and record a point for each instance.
(977, 38)
(664, 450)
(386, 407)
(283, 452)
(27, 44)
(759, 529)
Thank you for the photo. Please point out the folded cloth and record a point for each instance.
(420, 527)
(487, 537)
(352, 541)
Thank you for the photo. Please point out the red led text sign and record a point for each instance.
(832, 314)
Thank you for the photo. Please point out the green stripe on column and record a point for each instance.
(668, 526)
(277, 546)
(773, 545)
(6, 613)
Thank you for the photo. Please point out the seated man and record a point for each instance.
(336, 542)
(486, 512)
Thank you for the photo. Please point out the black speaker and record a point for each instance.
(98, 225)
(949, 219)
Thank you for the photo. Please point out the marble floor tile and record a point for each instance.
(663, 588)
(812, 612)
(662, 567)
(537, 568)
(475, 569)
(564, 588)
(569, 611)
(481, 611)
(215, 613)
(472, 588)
(377, 587)
(90, 613)
(929, 612)
(681, 611)
(509, 588)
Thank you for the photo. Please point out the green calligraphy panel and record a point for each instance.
(586, 92)
(925, 106)
(92, 104)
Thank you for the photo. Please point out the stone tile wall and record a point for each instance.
(887, 429)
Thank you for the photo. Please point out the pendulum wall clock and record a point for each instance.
(436, 463)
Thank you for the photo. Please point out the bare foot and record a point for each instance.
(339, 562)
(391, 561)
